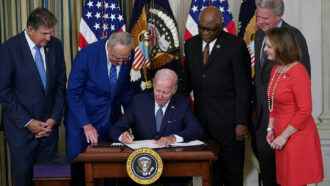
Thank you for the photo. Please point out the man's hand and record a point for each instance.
(127, 138)
(165, 141)
(240, 132)
(47, 128)
(91, 134)
(36, 126)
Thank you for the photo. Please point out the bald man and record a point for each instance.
(217, 70)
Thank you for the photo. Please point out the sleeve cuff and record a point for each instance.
(28, 123)
(179, 139)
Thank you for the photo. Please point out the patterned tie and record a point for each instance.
(40, 66)
(206, 53)
(159, 118)
(113, 78)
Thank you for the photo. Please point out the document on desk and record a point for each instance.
(150, 144)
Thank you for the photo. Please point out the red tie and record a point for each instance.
(206, 53)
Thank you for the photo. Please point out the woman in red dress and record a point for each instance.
(291, 130)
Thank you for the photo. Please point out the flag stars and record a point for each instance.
(203, 8)
(194, 9)
(222, 9)
(113, 6)
(98, 4)
(112, 17)
(106, 5)
(89, 15)
(113, 27)
(96, 26)
(90, 4)
(106, 16)
(105, 27)
(97, 15)
(120, 18)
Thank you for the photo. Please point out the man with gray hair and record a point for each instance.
(32, 93)
(99, 84)
(269, 15)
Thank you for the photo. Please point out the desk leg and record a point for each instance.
(207, 173)
(88, 174)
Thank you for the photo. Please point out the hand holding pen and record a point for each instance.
(127, 137)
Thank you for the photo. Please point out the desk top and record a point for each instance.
(201, 152)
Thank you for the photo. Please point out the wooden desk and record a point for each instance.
(178, 162)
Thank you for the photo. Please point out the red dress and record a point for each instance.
(300, 160)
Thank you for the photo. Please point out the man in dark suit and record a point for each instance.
(160, 115)
(217, 70)
(178, 124)
(99, 83)
(269, 15)
(32, 91)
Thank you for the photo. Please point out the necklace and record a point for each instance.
(271, 97)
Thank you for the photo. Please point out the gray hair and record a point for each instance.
(41, 17)
(123, 38)
(276, 7)
(166, 74)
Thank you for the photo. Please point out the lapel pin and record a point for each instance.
(218, 46)
(172, 107)
(47, 49)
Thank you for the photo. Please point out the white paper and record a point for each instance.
(143, 144)
(150, 144)
(190, 143)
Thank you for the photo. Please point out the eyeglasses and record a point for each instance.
(208, 29)
(121, 59)
(124, 60)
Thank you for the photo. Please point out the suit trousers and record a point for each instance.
(228, 169)
(23, 158)
(265, 155)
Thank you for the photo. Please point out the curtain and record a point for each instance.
(13, 17)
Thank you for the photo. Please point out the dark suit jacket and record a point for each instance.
(222, 87)
(178, 119)
(89, 94)
(21, 91)
(262, 76)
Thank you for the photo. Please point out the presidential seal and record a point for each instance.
(144, 166)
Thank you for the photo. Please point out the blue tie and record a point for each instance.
(113, 78)
(40, 66)
(159, 118)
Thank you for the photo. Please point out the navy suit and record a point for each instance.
(89, 96)
(178, 119)
(23, 98)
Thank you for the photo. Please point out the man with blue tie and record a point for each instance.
(32, 91)
(160, 115)
(99, 84)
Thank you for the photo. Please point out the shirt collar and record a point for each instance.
(29, 41)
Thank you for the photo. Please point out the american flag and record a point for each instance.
(100, 18)
(195, 9)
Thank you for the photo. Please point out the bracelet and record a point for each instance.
(270, 129)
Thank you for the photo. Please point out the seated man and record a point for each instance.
(162, 115)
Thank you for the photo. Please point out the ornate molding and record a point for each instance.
(324, 126)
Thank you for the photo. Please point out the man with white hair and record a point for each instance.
(269, 15)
